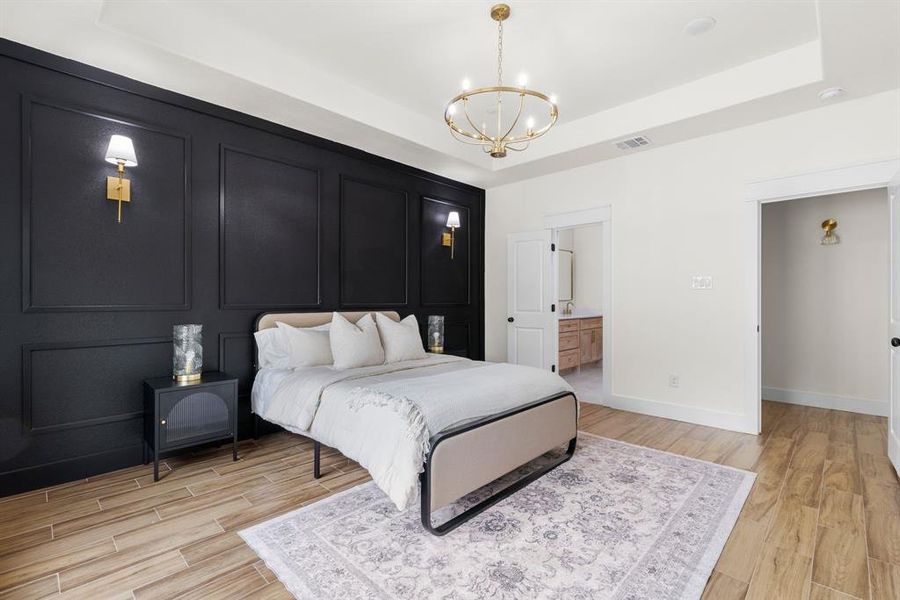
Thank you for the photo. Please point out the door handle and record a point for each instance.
(895, 342)
(510, 320)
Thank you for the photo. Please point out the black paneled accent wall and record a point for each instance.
(230, 216)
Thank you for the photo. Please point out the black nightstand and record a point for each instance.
(180, 415)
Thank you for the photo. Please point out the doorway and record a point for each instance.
(534, 307)
(884, 177)
(824, 304)
(579, 255)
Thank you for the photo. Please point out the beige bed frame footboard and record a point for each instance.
(464, 458)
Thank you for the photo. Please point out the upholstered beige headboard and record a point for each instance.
(267, 320)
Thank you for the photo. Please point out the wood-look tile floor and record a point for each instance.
(821, 523)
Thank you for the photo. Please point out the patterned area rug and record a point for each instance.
(616, 521)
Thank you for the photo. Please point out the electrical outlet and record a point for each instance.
(701, 282)
(673, 381)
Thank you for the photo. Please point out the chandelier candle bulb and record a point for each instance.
(508, 102)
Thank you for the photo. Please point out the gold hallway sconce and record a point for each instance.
(830, 238)
(449, 239)
(120, 152)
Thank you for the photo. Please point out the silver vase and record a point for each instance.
(187, 352)
(436, 333)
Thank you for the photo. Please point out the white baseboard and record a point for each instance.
(688, 414)
(857, 405)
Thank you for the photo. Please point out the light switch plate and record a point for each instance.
(701, 282)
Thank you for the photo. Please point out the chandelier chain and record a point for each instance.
(499, 53)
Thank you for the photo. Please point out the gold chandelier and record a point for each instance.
(509, 133)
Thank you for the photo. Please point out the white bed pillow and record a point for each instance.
(355, 345)
(306, 346)
(272, 349)
(401, 340)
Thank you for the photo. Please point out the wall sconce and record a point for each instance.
(120, 152)
(449, 239)
(830, 238)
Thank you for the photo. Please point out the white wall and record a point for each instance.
(825, 308)
(588, 247)
(677, 211)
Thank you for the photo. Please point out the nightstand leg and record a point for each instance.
(155, 465)
(317, 452)
(234, 449)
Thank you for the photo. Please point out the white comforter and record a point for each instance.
(383, 416)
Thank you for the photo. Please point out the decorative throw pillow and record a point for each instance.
(307, 346)
(272, 347)
(401, 340)
(355, 345)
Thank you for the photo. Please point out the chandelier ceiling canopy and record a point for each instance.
(500, 117)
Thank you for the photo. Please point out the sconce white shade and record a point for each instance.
(121, 148)
(453, 219)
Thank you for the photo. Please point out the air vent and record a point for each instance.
(631, 143)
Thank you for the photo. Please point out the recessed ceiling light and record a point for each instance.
(700, 26)
(831, 93)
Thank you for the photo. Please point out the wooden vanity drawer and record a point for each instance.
(568, 359)
(568, 341)
(592, 323)
(567, 325)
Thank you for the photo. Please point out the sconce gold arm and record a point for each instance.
(118, 189)
(121, 169)
(449, 239)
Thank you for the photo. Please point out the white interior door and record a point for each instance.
(529, 287)
(894, 333)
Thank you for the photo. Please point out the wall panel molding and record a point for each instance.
(366, 233)
(105, 120)
(435, 267)
(28, 351)
(314, 300)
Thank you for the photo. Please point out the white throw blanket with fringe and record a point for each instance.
(414, 406)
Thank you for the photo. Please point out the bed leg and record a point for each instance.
(255, 426)
(317, 454)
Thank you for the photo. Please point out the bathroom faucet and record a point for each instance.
(569, 306)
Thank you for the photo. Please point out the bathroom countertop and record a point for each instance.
(586, 313)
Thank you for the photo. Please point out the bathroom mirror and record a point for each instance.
(566, 275)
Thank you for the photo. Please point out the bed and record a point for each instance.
(436, 429)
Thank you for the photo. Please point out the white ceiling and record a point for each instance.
(593, 55)
(377, 74)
